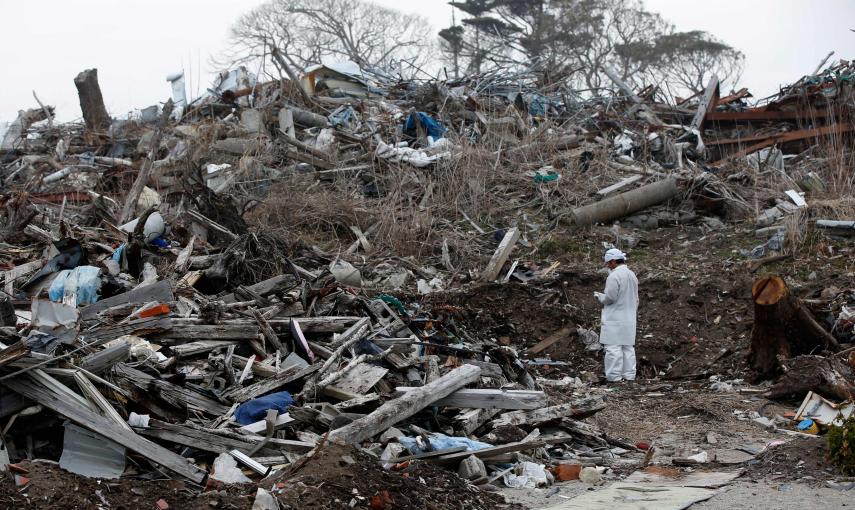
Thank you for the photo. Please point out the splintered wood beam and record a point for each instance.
(494, 267)
(490, 398)
(707, 104)
(130, 206)
(269, 385)
(91, 420)
(407, 405)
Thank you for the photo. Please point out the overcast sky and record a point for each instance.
(134, 44)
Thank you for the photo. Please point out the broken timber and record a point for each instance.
(105, 427)
(490, 398)
(494, 267)
(407, 405)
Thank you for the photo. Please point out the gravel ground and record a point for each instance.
(740, 495)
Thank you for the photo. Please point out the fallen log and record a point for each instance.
(407, 405)
(828, 376)
(626, 203)
(783, 328)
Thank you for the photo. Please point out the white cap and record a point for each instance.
(614, 254)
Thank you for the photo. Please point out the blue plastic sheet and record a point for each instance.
(84, 281)
(256, 409)
(434, 129)
(443, 442)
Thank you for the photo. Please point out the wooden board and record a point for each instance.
(491, 399)
(538, 416)
(494, 267)
(192, 333)
(269, 385)
(360, 378)
(103, 426)
(619, 185)
(160, 292)
(549, 341)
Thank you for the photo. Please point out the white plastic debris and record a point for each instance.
(264, 501)
(226, 470)
(138, 420)
(154, 226)
(528, 475)
(590, 475)
(426, 287)
(414, 157)
(345, 273)
(589, 338)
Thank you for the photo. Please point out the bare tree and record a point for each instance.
(571, 41)
(312, 31)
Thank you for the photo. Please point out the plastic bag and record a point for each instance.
(443, 442)
(82, 281)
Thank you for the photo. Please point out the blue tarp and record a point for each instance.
(434, 129)
(84, 281)
(443, 442)
(256, 409)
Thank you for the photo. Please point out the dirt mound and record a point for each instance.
(799, 459)
(338, 475)
(53, 487)
(686, 327)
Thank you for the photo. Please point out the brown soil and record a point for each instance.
(800, 459)
(52, 487)
(326, 481)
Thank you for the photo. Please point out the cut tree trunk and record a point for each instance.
(783, 328)
(91, 101)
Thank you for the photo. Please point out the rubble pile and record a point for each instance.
(227, 290)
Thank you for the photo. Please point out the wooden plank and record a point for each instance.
(360, 237)
(18, 272)
(210, 224)
(195, 348)
(14, 352)
(494, 267)
(329, 324)
(707, 104)
(360, 378)
(261, 425)
(796, 198)
(103, 426)
(766, 141)
(407, 405)
(142, 327)
(179, 396)
(268, 332)
(579, 409)
(427, 455)
(490, 398)
(160, 292)
(771, 115)
(189, 333)
(487, 369)
(469, 420)
(238, 395)
(199, 439)
(488, 452)
(608, 190)
(549, 341)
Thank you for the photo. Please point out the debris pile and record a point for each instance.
(229, 290)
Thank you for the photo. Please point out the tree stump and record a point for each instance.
(92, 102)
(783, 328)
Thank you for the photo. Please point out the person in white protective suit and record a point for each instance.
(620, 306)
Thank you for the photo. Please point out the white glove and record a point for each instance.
(598, 295)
